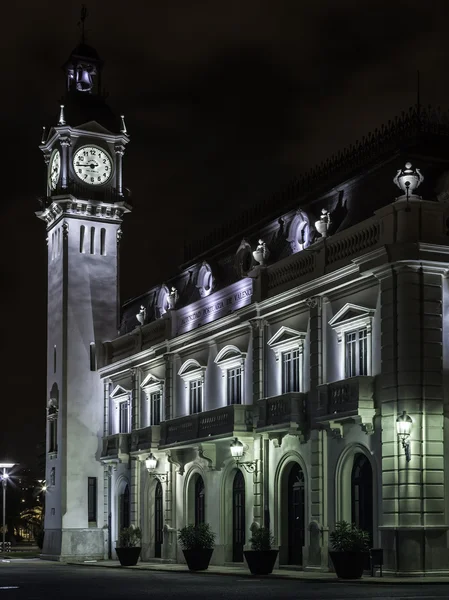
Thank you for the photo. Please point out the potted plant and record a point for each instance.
(261, 557)
(197, 544)
(128, 546)
(349, 549)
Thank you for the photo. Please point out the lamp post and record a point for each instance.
(404, 427)
(5, 477)
(151, 464)
(237, 453)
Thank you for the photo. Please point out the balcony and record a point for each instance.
(350, 400)
(115, 448)
(285, 413)
(221, 422)
(144, 439)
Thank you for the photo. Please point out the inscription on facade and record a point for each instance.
(212, 311)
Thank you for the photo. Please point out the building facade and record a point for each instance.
(307, 338)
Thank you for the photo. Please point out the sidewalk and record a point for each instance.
(316, 577)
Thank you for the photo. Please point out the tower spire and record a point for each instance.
(82, 21)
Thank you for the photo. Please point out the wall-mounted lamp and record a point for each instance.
(151, 464)
(237, 452)
(404, 427)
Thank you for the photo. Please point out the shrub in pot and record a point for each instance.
(350, 546)
(128, 546)
(197, 543)
(261, 557)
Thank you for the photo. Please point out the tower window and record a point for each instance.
(82, 235)
(103, 241)
(93, 357)
(92, 240)
(92, 499)
(54, 358)
(53, 435)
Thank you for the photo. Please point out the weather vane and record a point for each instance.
(81, 22)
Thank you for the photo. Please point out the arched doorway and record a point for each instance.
(296, 515)
(238, 517)
(124, 509)
(199, 501)
(158, 520)
(362, 494)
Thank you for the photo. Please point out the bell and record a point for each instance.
(84, 80)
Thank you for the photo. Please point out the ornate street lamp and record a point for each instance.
(237, 453)
(4, 477)
(151, 464)
(404, 425)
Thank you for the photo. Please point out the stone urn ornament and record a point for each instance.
(408, 179)
(324, 222)
(141, 315)
(261, 253)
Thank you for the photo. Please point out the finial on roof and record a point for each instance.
(123, 127)
(81, 22)
(408, 179)
(44, 135)
(62, 120)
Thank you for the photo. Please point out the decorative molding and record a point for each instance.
(230, 357)
(286, 339)
(205, 281)
(191, 370)
(351, 317)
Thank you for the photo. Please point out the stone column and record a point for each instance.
(318, 557)
(168, 388)
(65, 144)
(413, 520)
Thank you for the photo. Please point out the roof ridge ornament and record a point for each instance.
(408, 179)
(123, 125)
(62, 120)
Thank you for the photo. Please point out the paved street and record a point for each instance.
(38, 580)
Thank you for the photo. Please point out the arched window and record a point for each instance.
(199, 501)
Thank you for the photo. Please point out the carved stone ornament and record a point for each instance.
(172, 298)
(408, 179)
(324, 222)
(261, 253)
(141, 315)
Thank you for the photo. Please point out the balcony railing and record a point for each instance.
(283, 412)
(351, 398)
(145, 438)
(214, 423)
(115, 447)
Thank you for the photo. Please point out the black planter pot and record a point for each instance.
(128, 557)
(260, 562)
(348, 565)
(198, 560)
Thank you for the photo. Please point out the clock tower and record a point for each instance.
(83, 210)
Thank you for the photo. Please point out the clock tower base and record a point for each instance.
(74, 544)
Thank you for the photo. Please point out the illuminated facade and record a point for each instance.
(305, 337)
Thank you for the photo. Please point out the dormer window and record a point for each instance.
(231, 362)
(192, 374)
(353, 325)
(153, 389)
(288, 347)
(121, 398)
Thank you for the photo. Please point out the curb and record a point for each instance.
(245, 574)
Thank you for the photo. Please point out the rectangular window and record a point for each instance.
(290, 371)
(102, 241)
(92, 240)
(196, 396)
(124, 417)
(155, 408)
(54, 358)
(82, 234)
(356, 353)
(53, 435)
(234, 386)
(92, 499)
(93, 357)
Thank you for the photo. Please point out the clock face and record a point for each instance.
(54, 170)
(92, 165)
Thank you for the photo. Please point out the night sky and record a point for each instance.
(224, 101)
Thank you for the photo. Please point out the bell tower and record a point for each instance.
(83, 208)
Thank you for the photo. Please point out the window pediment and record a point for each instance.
(230, 357)
(152, 384)
(286, 339)
(351, 317)
(191, 370)
(119, 394)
